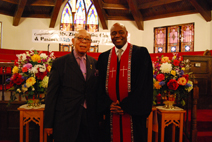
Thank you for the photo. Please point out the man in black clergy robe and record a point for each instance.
(70, 103)
(126, 89)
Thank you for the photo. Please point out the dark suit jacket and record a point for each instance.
(139, 101)
(67, 90)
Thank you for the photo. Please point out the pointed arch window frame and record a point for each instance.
(73, 26)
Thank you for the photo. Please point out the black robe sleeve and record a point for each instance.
(103, 99)
(139, 100)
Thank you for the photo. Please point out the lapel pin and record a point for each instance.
(90, 66)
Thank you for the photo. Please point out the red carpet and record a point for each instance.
(204, 125)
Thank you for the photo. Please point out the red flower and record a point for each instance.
(24, 69)
(186, 76)
(16, 62)
(176, 62)
(17, 79)
(10, 85)
(160, 77)
(172, 84)
(41, 75)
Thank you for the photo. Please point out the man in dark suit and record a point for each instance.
(126, 89)
(70, 103)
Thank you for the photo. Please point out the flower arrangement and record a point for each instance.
(169, 77)
(30, 74)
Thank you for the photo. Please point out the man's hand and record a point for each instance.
(115, 108)
(49, 131)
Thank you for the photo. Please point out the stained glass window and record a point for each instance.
(160, 40)
(92, 20)
(173, 39)
(66, 15)
(177, 38)
(187, 38)
(85, 17)
(87, 4)
(79, 17)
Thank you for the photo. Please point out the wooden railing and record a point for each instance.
(190, 128)
(5, 70)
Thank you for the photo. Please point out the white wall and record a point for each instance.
(20, 37)
(202, 33)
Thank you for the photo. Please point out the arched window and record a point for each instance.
(82, 15)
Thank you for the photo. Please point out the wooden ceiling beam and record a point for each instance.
(170, 15)
(33, 3)
(55, 12)
(101, 13)
(5, 12)
(36, 15)
(41, 3)
(136, 14)
(11, 1)
(114, 6)
(19, 12)
(127, 18)
(203, 8)
(155, 3)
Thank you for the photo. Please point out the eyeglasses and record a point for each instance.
(81, 39)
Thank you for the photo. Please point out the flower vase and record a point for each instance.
(33, 101)
(169, 100)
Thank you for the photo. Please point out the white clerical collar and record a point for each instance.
(123, 48)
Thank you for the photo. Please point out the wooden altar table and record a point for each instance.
(174, 117)
(27, 115)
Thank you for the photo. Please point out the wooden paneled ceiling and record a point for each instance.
(128, 10)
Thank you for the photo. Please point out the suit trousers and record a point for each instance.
(83, 134)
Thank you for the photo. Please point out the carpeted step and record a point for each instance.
(204, 139)
(205, 133)
(204, 125)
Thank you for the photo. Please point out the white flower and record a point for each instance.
(43, 56)
(18, 90)
(21, 57)
(33, 89)
(33, 69)
(44, 82)
(24, 89)
(166, 67)
(42, 68)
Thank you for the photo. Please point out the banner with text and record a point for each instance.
(57, 36)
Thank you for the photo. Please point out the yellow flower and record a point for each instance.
(15, 69)
(173, 72)
(182, 81)
(154, 80)
(49, 68)
(35, 58)
(183, 68)
(191, 86)
(44, 82)
(30, 81)
(165, 59)
(157, 85)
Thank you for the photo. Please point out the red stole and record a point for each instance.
(124, 88)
